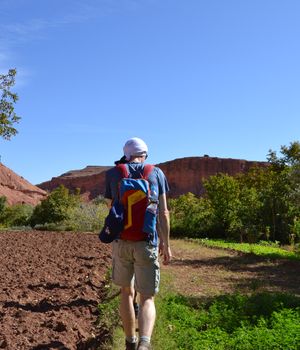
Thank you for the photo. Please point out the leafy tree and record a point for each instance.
(248, 226)
(290, 155)
(190, 216)
(294, 180)
(262, 203)
(56, 207)
(287, 191)
(269, 187)
(8, 116)
(222, 191)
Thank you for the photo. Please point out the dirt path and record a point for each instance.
(52, 282)
(50, 286)
(200, 271)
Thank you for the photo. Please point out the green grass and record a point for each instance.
(261, 321)
(257, 321)
(263, 249)
(162, 336)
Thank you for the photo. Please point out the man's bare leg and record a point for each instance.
(147, 315)
(127, 311)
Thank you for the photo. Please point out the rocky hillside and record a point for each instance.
(184, 175)
(18, 190)
(90, 180)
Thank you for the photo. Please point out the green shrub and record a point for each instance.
(16, 215)
(267, 249)
(2, 204)
(280, 331)
(261, 321)
(109, 316)
(275, 244)
(87, 217)
(63, 211)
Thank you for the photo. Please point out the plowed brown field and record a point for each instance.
(50, 286)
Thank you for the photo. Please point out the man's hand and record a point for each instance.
(165, 251)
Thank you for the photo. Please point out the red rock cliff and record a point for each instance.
(18, 190)
(187, 174)
(183, 174)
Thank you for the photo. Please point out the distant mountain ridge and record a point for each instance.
(17, 190)
(183, 174)
(88, 170)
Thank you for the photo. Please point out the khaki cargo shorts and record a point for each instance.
(136, 264)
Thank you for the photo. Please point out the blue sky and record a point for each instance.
(190, 77)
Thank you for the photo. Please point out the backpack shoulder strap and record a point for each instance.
(123, 170)
(148, 168)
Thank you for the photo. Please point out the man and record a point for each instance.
(135, 263)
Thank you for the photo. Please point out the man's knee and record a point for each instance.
(146, 298)
(127, 291)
